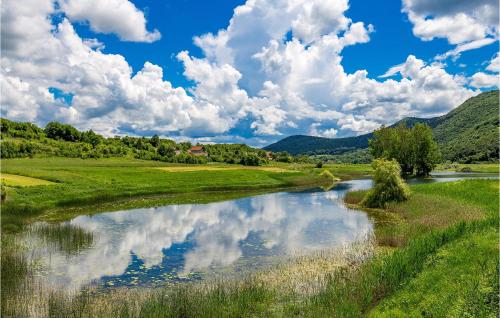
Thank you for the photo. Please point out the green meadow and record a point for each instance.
(435, 254)
(81, 186)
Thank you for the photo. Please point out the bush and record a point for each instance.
(388, 186)
(319, 164)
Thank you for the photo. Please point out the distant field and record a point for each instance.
(481, 167)
(13, 180)
(83, 186)
(221, 168)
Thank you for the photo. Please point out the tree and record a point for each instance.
(425, 150)
(166, 151)
(155, 141)
(388, 186)
(60, 131)
(250, 159)
(413, 148)
(92, 138)
(283, 156)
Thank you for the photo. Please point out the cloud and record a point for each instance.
(120, 17)
(328, 133)
(483, 80)
(215, 234)
(472, 45)
(494, 65)
(275, 70)
(488, 80)
(459, 21)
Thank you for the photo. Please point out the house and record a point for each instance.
(269, 155)
(197, 151)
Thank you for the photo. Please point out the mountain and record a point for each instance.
(468, 133)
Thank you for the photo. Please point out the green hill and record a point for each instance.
(469, 133)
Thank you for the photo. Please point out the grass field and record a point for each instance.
(460, 167)
(82, 186)
(12, 180)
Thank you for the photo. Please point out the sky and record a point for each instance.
(249, 71)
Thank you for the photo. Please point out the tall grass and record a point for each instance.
(64, 237)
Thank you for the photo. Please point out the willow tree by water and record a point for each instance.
(388, 186)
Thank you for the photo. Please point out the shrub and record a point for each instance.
(319, 164)
(387, 185)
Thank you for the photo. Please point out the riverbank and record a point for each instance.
(417, 240)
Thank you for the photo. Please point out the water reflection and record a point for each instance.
(150, 246)
(185, 242)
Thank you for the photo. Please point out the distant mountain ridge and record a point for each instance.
(467, 133)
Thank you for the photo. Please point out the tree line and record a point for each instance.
(57, 139)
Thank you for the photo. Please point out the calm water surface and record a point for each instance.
(150, 247)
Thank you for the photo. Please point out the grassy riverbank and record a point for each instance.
(436, 253)
(60, 188)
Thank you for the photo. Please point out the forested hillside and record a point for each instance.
(20, 140)
(300, 144)
(469, 133)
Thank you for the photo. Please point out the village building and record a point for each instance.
(197, 151)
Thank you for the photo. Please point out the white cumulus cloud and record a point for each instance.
(275, 70)
(120, 17)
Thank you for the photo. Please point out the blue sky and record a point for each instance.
(180, 21)
(256, 74)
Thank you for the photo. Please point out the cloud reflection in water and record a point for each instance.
(186, 238)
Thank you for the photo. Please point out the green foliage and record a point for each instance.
(92, 138)
(166, 151)
(60, 131)
(435, 293)
(20, 140)
(413, 148)
(387, 185)
(20, 130)
(424, 149)
(250, 159)
(354, 156)
(319, 164)
(283, 156)
(155, 141)
(469, 133)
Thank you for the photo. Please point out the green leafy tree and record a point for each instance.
(425, 149)
(250, 159)
(166, 151)
(283, 156)
(155, 141)
(92, 138)
(60, 131)
(413, 148)
(388, 186)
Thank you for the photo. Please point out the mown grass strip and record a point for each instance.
(13, 180)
